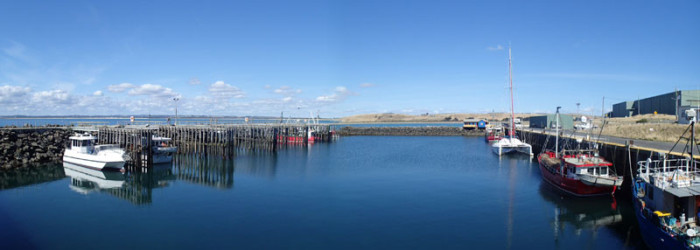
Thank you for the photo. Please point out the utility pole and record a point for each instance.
(176, 118)
(676, 102)
(578, 104)
(602, 110)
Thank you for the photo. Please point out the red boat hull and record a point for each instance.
(572, 186)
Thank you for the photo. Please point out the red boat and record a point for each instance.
(579, 172)
(493, 134)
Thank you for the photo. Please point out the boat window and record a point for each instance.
(604, 171)
(590, 170)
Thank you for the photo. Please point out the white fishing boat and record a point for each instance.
(162, 149)
(84, 152)
(510, 143)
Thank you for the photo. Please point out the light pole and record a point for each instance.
(176, 99)
(577, 108)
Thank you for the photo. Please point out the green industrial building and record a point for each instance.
(550, 121)
(669, 103)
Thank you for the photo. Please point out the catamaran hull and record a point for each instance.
(571, 186)
(510, 150)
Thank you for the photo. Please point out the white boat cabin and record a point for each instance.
(83, 143)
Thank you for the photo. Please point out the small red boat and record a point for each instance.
(493, 134)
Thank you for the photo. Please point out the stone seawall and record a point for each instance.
(408, 131)
(21, 148)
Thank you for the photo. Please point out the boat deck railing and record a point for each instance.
(676, 173)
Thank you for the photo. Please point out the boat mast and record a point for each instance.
(512, 113)
(556, 129)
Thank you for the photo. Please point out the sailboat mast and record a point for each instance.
(512, 113)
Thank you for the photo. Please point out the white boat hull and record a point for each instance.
(509, 146)
(93, 161)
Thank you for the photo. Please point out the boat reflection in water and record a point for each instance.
(85, 180)
(581, 213)
(134, 187)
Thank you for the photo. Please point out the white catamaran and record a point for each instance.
(510, 143)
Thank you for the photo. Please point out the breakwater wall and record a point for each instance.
(23, 147)
(408, 131)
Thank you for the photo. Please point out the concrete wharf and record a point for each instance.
(622, 152)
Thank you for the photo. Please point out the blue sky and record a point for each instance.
(340, 58)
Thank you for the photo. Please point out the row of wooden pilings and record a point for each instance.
(213, 140)
(624, 157)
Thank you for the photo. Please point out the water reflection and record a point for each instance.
(30, 176)
(258, 165)
(580, 213)
(136, 188)
(207, 171)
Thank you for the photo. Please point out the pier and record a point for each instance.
(212, 140)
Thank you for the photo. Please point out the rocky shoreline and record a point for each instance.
(21, 148)
(408, 131)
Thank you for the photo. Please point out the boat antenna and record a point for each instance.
(556, 129)
(512, 113)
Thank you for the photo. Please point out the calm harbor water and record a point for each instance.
(358, 192)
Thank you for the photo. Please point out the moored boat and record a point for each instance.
(511, 144)
(84, 152)
(163, 150)
(493, 134)
(666, 195)
(580, 172)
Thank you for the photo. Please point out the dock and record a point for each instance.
(624, 153)
(223, 141)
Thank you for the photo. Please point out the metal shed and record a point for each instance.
(550, 120)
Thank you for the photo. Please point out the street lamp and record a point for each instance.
(176, 99)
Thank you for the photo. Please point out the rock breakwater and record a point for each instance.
(409, 131)
(21, 148)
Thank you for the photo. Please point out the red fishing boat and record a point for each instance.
(579, 172)
(493, 134)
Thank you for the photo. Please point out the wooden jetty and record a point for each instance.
(212, 140)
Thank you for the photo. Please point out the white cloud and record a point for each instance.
(224, 90)
(118, 88)
(339, 94)
(13, 94)
(97, 93)
(51, 97)
(287, 91)
(287, 99)
(495, 48)
(367, 85)
(152, 90)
